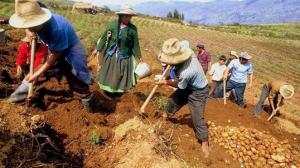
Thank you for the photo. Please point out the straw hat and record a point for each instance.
(287, 91)
(172, 53)
(126, 10)
(234, 53)
(245, 55)
(29, 14)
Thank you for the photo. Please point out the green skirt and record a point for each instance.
(117, 76)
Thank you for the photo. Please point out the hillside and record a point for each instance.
(228, 12)
(125, 140)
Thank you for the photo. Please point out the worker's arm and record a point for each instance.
(280, 101)
(272, 104)
(250, 81)
(50, 61)
(226, 74)
(172, 83)
(19, 70)
(209, 65)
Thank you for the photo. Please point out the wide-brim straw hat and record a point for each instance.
(287, 91)
(173, 54)
(234, 53)
(245, 55)
(126, 10)
(29, 14)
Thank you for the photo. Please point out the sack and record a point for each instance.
(142, 70)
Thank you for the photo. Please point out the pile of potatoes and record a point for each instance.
(253, 148)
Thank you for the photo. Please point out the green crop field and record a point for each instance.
(275, 48)
(290, 31)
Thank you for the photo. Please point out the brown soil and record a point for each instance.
(72, 128)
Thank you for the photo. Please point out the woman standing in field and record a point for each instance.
(121, 47)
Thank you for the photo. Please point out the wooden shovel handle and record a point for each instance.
(31, 70)
(142, 110)
(273, 114)
(224, 91)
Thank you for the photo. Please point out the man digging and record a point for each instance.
(67, 55)
(192, 87)
(276, 91)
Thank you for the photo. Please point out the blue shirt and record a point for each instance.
(60, 36)
(58, 33)
(190, 74)
(240, 72)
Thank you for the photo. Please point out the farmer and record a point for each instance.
(240, 70)
(204, 58)
(217, 72)
(120, 44)
(23, 57)
(192, 86)
(276, 91)
(66, 54)
(232, 55)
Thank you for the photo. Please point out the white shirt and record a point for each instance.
(217, 71)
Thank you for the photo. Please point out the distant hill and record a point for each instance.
(228, 11)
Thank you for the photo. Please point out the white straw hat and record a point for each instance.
(234, 53)
(287, 91)
(245, 55)
(126, 10)
(29, 14)
(172, 53)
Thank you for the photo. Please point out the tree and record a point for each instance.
(170, 15)
(176, 14)
(182, 17)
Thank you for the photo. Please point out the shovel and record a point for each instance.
(142, 110)
(273, 114)
(25, 88)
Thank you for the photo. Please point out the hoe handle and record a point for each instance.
(142, 110)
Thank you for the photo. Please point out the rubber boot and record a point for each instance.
(87, 103)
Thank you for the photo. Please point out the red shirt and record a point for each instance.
(204, 59)
(23, 57)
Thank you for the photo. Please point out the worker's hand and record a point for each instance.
(274, 112)
(94, 53)
(225, 77)
(33, 78)
(19, 71)
(140, 59)
(162, 82)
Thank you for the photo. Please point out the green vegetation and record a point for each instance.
(95, 138)
(289, 31)
(161, 103)
(175, 15)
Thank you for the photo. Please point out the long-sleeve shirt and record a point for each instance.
(24, 52)
(128, 42)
